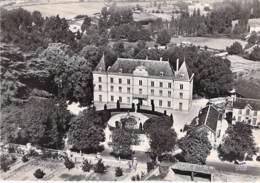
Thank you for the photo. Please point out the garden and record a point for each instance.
(36, 167)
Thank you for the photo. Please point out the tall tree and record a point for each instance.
(40, 121)
(121, 142)
(85, 132)
(238, 141)
(195, 146)
(163, 37)
(162, 137)
(162, 140)
(86, 24)
(92, 54)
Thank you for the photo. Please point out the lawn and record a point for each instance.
(216, 43)
(56, 171)
(70, 10)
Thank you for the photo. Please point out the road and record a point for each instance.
(238, 169)
(220, 166)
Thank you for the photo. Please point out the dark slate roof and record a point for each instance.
(153, 67)
(241, 103)
(209, 117)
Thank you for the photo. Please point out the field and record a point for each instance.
(215, 43)
(56, 171)
(242, 65)
(70, 10)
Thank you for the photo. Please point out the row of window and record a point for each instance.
(140, 82)
(140, 91)
(112, 99)
(247, 112)
(248, 120)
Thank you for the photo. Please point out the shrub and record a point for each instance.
(99, 167)
(11, 149)
(33, 153)
(249, 158)
(150, 166)
(133, 178)
(25, 159)
(255, 54)
(13, 158)
(258, 158)
(138, 177)
(68, 163)
(86, 167)
(39, 174)
(119, 172)
(117, 104)
(5, 162)
(235, 48)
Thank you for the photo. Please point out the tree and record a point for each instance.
(69, 164)
(153, 123)
(39, 174)
(162, 140)
(195, 147)
(25, 158)
(99, 167)
(86, 167)
(86, 131)
(252, 39)
(37, 18)
(163, 37)
(118, 172)
(5, 162)
(235, 49)
(92, 54)
(255, 54)
(86, 24)
(151, 54)
(71, 74)
(39, 121)
(121, 143)
(238, 141)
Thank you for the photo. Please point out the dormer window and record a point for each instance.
(100, 68)
(120, 70)
(161, 74)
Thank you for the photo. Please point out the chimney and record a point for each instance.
(177, 65)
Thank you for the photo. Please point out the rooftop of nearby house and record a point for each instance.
(241, 103)
(153, 68)
(209, 117)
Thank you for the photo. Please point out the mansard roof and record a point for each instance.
(153, 67)
(241, 103)
(209, 117)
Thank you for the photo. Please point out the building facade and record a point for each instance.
(144, 82)
(247, 111)
(212, 120)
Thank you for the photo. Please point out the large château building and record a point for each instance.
(145, 82)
